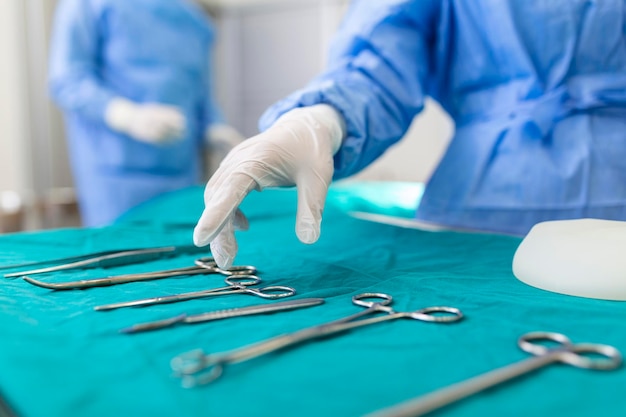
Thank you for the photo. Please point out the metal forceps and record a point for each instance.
(196, 368)
(237, 284)
(202, 266)
(565, 351)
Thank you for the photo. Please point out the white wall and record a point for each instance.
(33, 156)
(13, 105)
(265, 53)
(49, 149)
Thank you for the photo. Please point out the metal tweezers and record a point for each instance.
(105, 259)
(203, 266)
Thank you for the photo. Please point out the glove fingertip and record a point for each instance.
(203, 235)
(200, 237)
(308, 234)
(223, 258)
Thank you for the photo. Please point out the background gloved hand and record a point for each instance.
(221, 137)
(150, 122)
(297, 150)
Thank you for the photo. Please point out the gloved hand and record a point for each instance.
(297, 150)
(150, 122)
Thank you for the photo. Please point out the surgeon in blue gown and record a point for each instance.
(134, 81)
(537, 91)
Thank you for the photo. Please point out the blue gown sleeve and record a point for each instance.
(74, 73)
(378, 67)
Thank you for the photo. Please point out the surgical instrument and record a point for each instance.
(607, 358)
(196, 368)
(106, 259)
(237, 284)
(224, 314)
(203, 266)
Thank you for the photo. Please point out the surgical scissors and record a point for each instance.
(105, 259)
(202, 266)
(565, 351)
(196, 368)
(237, 284)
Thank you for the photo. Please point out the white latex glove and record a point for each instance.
(150, 122)
(297, 150)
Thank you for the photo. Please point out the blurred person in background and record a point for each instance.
(134, 81)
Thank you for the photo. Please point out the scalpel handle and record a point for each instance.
(256, 309)
(154, 325)
(224, 314)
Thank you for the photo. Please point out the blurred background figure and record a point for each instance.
(134, 81)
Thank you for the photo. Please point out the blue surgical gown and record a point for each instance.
(145, 51)
(536, 88)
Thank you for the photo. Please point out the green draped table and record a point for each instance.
(59, 358)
